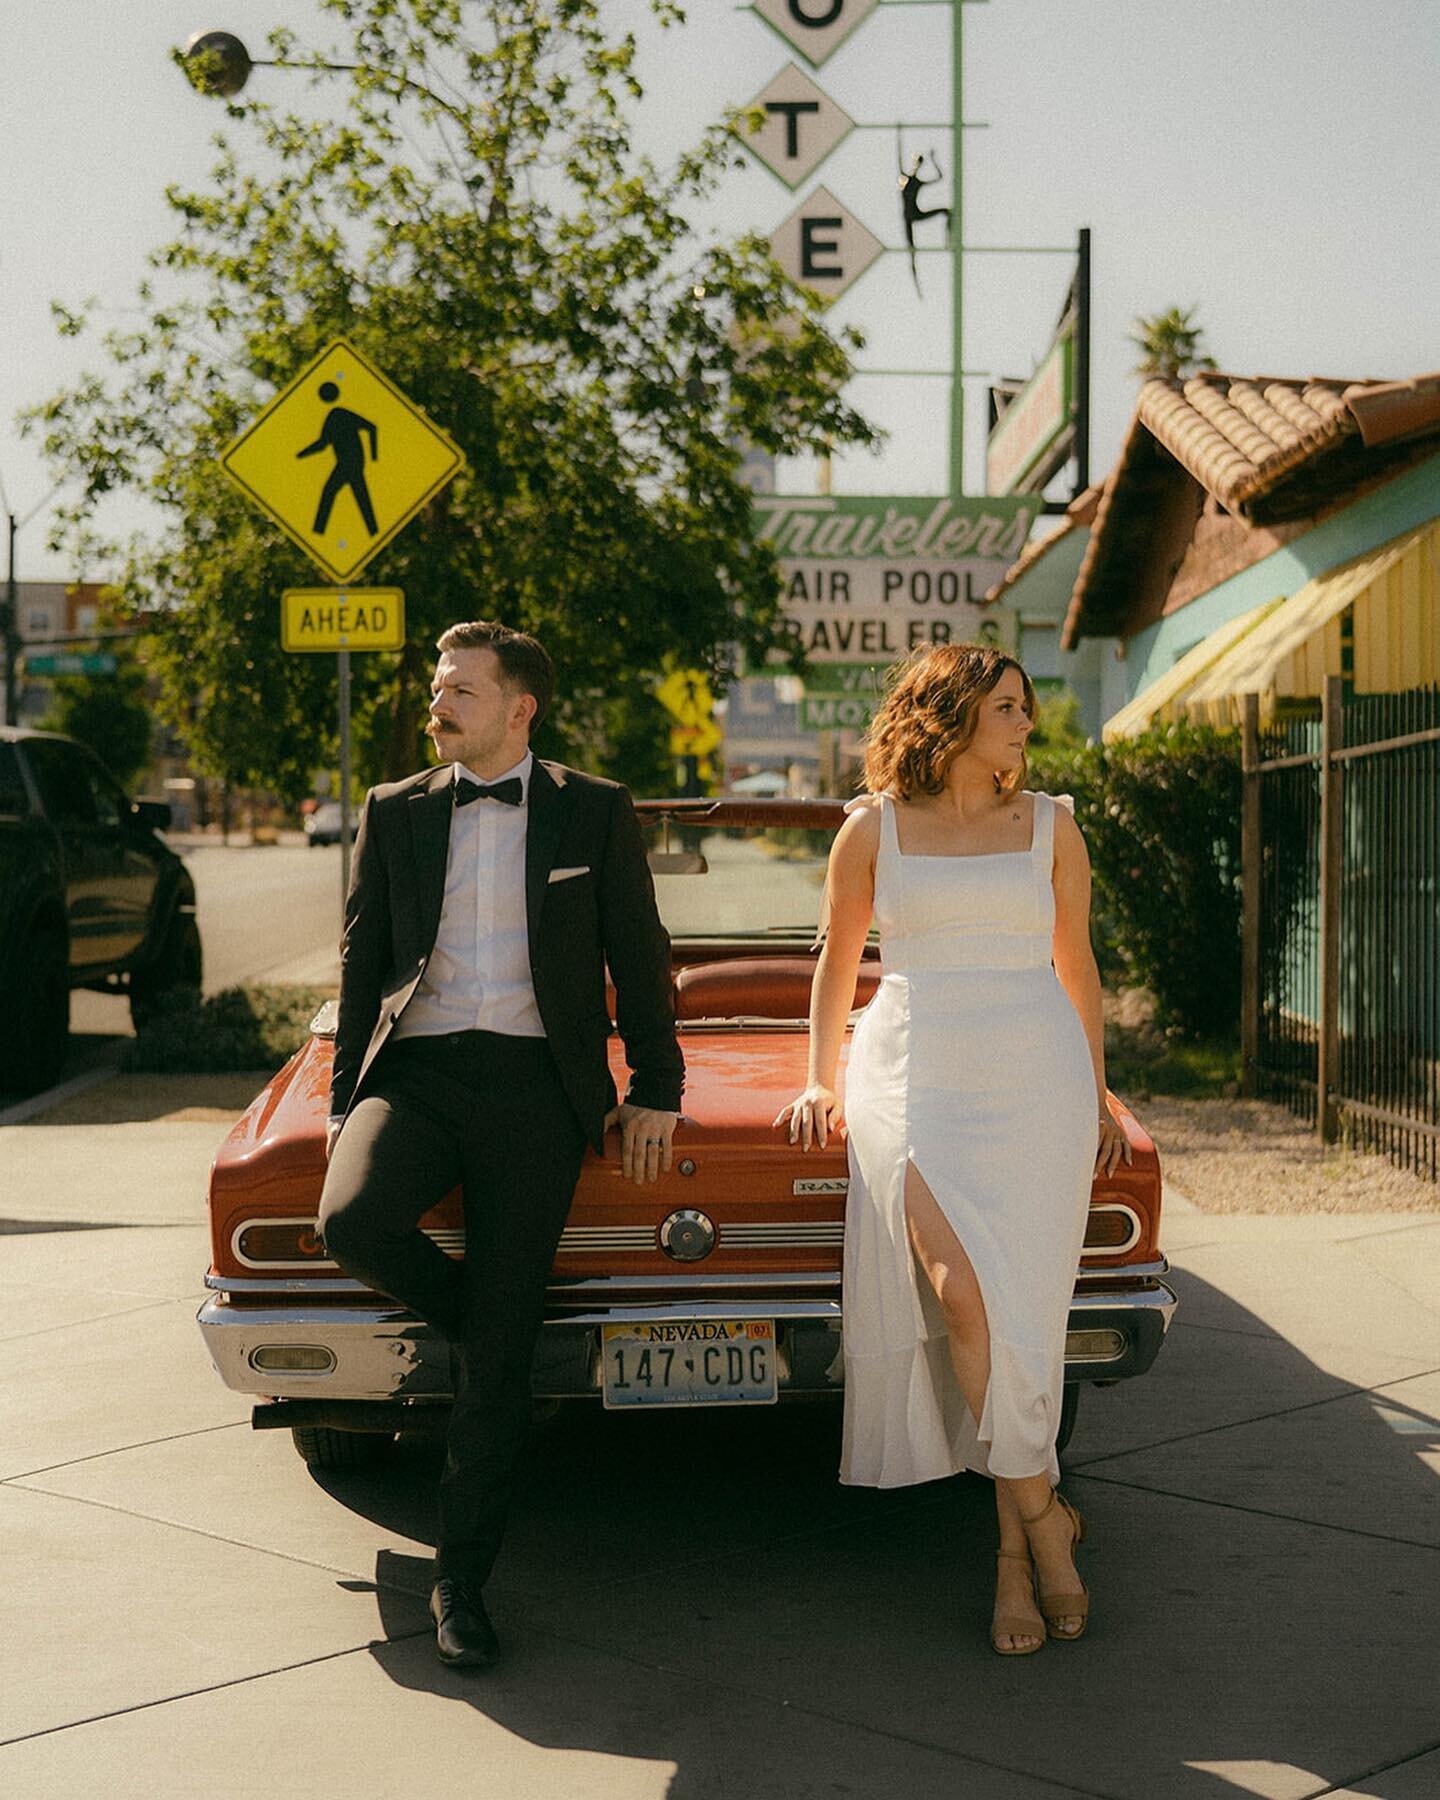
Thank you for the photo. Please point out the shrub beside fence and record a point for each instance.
(1161, 818)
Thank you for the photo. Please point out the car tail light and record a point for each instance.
(293, 1359)
(279, 1243)
(1112, 1228)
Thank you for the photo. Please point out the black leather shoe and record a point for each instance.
(464, 1636)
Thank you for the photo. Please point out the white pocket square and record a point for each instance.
(568, 874)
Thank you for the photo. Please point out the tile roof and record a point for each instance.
(1269, 449)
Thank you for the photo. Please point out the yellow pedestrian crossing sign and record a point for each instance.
(686, 695)
(341, 460)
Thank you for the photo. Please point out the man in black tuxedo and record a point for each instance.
(487, 898)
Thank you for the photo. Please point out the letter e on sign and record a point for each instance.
(823, 245)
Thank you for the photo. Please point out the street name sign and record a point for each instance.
(70, 662)
(802, 126)
(330, 619)
(816, 28)
(823, 245)
(341, 459)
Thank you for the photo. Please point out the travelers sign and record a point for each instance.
(342, 619)
(341, 460)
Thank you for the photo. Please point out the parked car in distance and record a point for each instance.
(322, 826)
(90, 897)
(719, 1284)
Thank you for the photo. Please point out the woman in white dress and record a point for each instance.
(975, 1113)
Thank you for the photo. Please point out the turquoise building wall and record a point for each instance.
(1409, 500)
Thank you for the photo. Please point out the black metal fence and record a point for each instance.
(1341, 844)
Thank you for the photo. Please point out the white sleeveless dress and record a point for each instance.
(970, 1062)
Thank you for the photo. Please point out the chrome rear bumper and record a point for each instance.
(368, 1350)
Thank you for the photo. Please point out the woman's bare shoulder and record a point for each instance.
(860, 834)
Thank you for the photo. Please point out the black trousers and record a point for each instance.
(488, 1112)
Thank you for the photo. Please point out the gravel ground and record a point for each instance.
(1231, 1156)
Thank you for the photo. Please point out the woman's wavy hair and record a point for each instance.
(929, 714)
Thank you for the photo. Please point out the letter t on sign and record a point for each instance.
(790, 111)
(802, 125)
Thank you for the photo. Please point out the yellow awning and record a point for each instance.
(1285, 648)
(1158, 703)
(1392, 590)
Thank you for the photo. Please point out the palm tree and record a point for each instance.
(1170, 344)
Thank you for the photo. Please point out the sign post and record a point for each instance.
(342, 619)
(377, 459)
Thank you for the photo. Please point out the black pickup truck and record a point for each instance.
(90, 897)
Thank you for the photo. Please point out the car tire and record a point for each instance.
(1069, 1412)
(179, 968)
(34, 1047)
(322, 1447)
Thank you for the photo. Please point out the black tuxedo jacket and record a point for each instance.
(576, 928)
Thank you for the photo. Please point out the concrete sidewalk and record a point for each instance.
(693, 1606)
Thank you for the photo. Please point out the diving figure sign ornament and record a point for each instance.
(911, 183)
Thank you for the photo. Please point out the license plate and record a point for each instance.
(689, 1362)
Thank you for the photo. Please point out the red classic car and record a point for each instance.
(718, 1284)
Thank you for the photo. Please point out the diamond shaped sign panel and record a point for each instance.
(802, 125)
(823, 245)
(815, 28)
(341, 460)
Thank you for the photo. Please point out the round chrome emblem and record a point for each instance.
(687, 1235)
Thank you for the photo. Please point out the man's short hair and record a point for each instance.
(524, 661)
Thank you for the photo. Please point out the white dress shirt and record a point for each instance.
(478, 975)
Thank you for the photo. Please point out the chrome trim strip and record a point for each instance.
(1131, 1271)
(1141, 1275)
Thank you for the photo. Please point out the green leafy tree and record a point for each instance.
(110, 713)
(1169, 344)
(477, 221)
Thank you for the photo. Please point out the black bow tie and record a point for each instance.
(509, 792)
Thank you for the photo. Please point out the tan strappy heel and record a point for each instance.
(1054, 1607)
(1003, 1626)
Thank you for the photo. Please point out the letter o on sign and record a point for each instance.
(816, 21)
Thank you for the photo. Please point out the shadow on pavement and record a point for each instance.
(699, 1590)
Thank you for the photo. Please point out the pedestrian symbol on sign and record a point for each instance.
(344, 434)
(323, 504)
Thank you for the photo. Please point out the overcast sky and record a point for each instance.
(1275, 164)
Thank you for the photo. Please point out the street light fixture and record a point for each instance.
(218, 64)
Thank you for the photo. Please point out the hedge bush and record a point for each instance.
(1161, 817)
(241, 1028)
